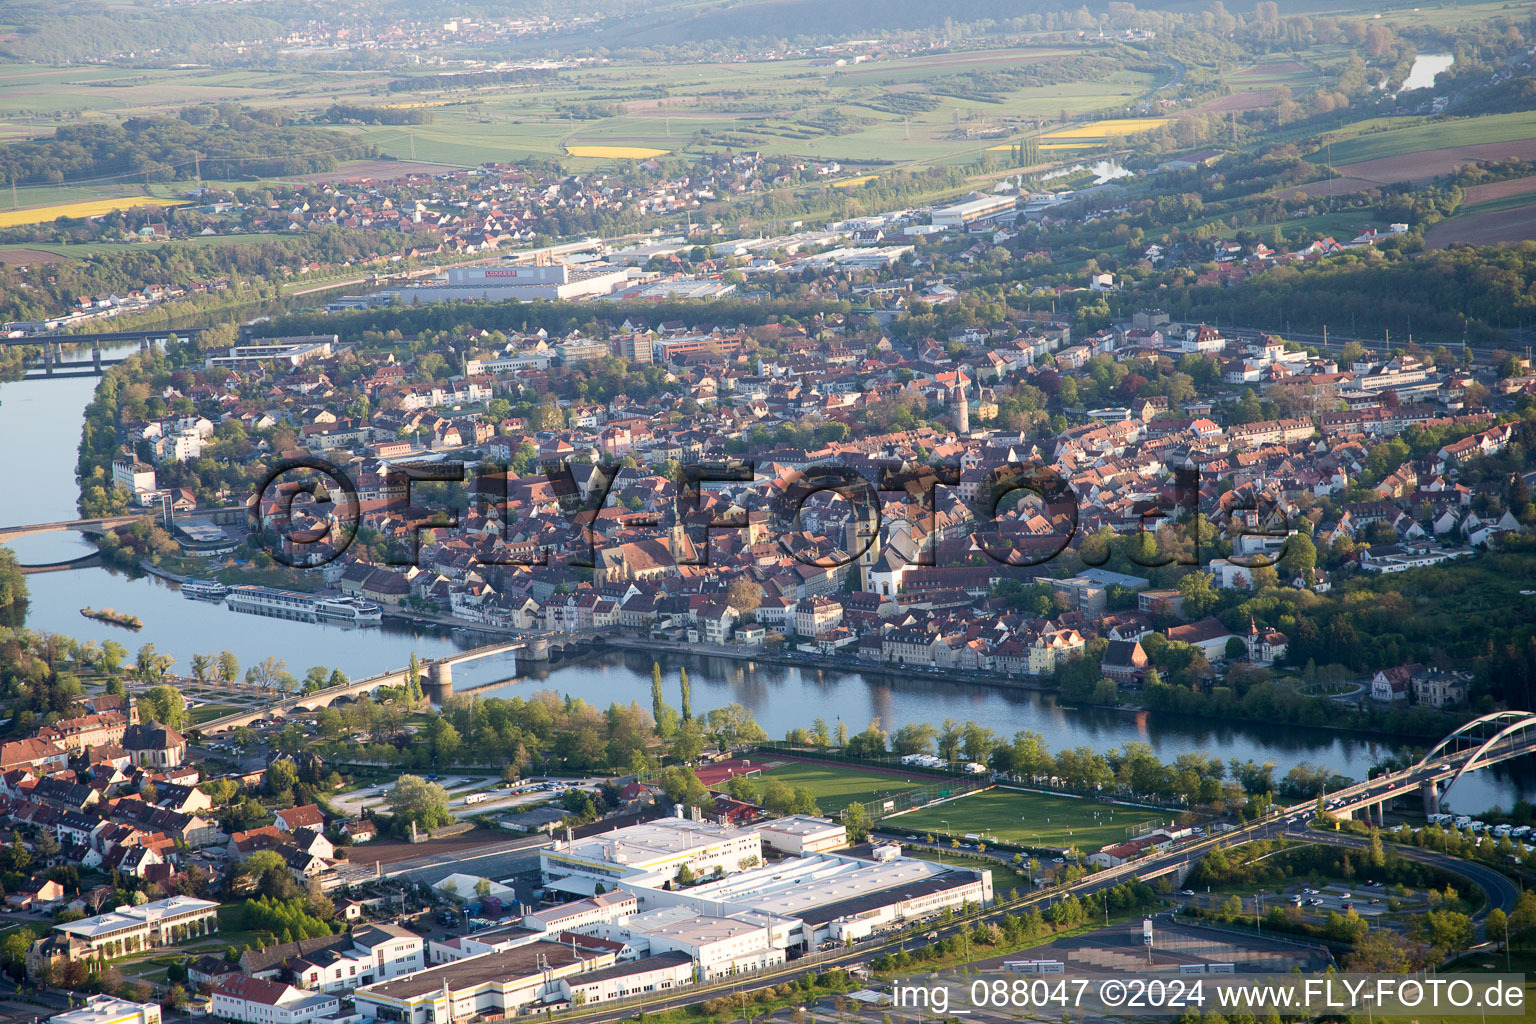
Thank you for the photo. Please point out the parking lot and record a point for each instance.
(1315, 902)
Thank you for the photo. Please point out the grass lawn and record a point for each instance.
(837, 786)
(208, 712)
(1030, 819)
(1003, 876)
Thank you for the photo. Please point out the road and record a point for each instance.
(1502, 892)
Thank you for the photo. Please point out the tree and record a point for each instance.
(229, 666)
(266, 673)
(202, 667)
(687, 692)
(744, 597)
(657, 701)
(280, 777)
(414, 799)
(914, 738)
(1199, 596)
(1448, 930)
(856, 821)
(682, 787)
(1299, 556)
(163, 704)
(1495, 925)
(113, 655)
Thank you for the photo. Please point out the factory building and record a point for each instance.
(525, 281)
(647, 855)
(800, 834)
(492, 985)
(961, 214)
(718, 946)
(833, 896)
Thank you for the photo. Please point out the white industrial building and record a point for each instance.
(293, 351)
(961, 214)
(636, 977)
(834, 896)
(718, 946)
(105, 1009)
(648, 854)
(800, 834)
(492, 985)
(578, 915)
(526, 281)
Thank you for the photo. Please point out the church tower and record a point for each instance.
(858, 535)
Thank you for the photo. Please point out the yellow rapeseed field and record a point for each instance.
(616, 152)
(1114, 126)
(88, 208)
(1046, 146)
(854, 182)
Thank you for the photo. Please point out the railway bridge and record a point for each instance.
(54, 364)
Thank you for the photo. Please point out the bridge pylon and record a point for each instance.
(1431, 791)
(439, 682)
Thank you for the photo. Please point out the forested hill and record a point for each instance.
(243, 144)
(58, 34)
(671, 24)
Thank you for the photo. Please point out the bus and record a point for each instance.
(1034, 966)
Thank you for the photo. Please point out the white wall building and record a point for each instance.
(582, 914)
(105, 1009)
(649, 854)
(258, 1001)
(800, 834)
(719, 946)
(378, 952)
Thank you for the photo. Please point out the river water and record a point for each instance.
(39, 422)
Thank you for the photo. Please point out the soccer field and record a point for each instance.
(837, 786)
(1029, 819)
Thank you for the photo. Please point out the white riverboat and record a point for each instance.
(204, 590)
(289, 604)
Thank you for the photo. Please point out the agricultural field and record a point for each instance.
(836, 786)
(1029, 819)
(86, 208)
(922, 110)
(1117, 127)
(1427, 149)
(615, 152)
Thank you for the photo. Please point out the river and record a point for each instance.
(47, 415)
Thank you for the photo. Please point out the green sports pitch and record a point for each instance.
(836, 786)
(1031, 819)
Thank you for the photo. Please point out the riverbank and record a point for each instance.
(908, 673)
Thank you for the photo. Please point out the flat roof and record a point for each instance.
(684, 924)
(637, 846)
(801, 825)
(791, 888)
(103, 1009)
(950, 879)
(504, 965)
(660, 961)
